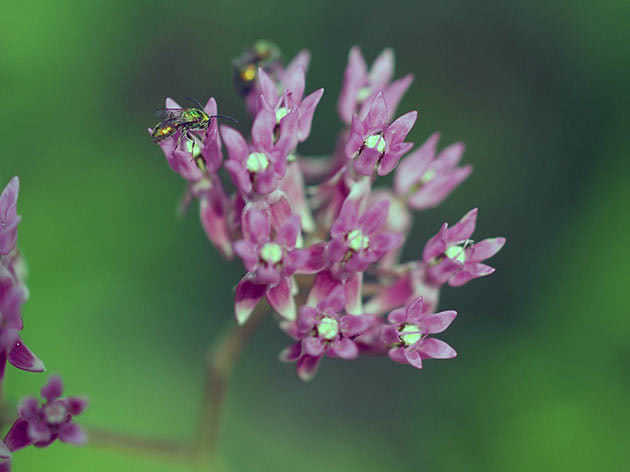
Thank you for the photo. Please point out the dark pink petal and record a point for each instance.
(437, 323)
(334, 302)
(397, 354)
(377, 115)
(306, 111)
(239, 175)
(248, 294)
(247, 252)
(440, 273)
(280, 210)
(352, 292)
(73, 434)
(345, 348)
(76, 405)
(394, 92)
(355, 77)
(5, 465)
(262, 129)
(281, 299)
(464, 228)
(289, 232)
(256, 225)
(293, 82)
(288, 137)
(324, 284)
(399, 129)
(414, 308)
(29, 408)
(374, 218)
(365, 163)
(347, 219)
(436, 190)
(390, 159)
(267, 87)
(291, 353)
(385, 242)
(398, 316)
(8, 216)
(294, 260)
(40, 433)
(235, 144)
(391, 296)
(213, 221)
(315, 261)
(307, 319)
(53, 389)
(354, 325)
(431, 347)
(266, 275)
(335, 251)
(17, 437)
(484, 249)
(389, 334)
(436, 245)
(312, 346)
(23, 358)
(413, 357)
(382, 69)
(307, 367)
(414, 166)
(471, 271)
(355, 139)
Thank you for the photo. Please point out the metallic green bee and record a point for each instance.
(263, 54)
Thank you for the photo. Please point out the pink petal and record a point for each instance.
(436, 349)
(485, 249)
(345, 348)
(413, 357)
(53, 389)
(389, 335)
(354, 325)
(355, 76)
(471, 271)
(307, 367)
(414, 308)
(366, 161)
(235, 144)
(394, 92)
(267, 87)
(213, 221)
(435, 191)
(382, 69)
(399, 129)
(306, 111)
(281, 299)
(436, 245)
(449, 156)
(324, 284)
(291, 353)
(377, 114)
(414, 166)
(262, 129)
(248, 295)
(72, 433)
(315, 261)
(17, 437)
(289, 232)
(464, 228)
(293, 82)
(256, 225)
(312, 346)
(437, 323)
(334, 302)
(352, 290)
(397, 354)
(374, 218)
(23, 358)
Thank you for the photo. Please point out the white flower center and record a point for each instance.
(357, 240)
(281, 113)
(410, 334)
(363, 94)
(375, 141)
(271, 253)
(428, 176)
(328, 328)
(55, 412)
(456, 253)
(257, 162)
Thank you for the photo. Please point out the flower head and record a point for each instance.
(424, 180)
(450, 256)
(42, 425)
(359, 84)
(407, 338)
(373, 143)
(324, 331)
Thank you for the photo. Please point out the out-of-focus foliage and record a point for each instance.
(125, 296)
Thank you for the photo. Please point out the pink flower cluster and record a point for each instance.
(36, 426)
(320, 239)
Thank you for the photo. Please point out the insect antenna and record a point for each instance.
(226, 117)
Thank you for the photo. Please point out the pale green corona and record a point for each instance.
(428, 176)
(410, 334)
(281, 113)
(357, 240)
(363, 94)
(328, 328)
(257, 162)
(375, 141)
(271, 253)
(457, 253)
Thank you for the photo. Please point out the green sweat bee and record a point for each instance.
(263, 54)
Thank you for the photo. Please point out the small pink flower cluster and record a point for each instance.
(34, 425)
(334, 244)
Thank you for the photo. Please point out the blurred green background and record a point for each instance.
(125, 296)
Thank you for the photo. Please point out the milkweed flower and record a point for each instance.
(321, 239)
(41, 425)
(407, 335)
